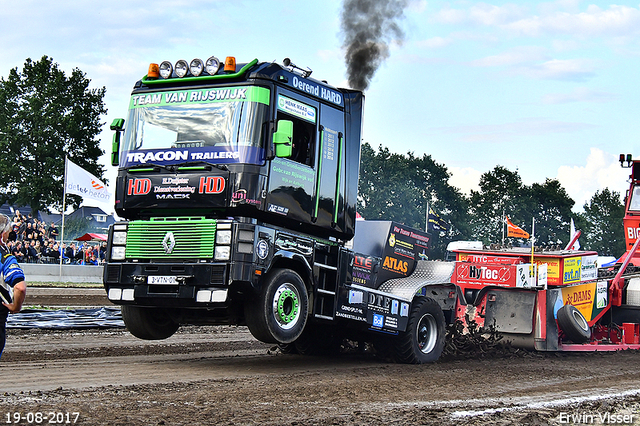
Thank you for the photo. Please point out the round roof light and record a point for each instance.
(166, 69)
(196, 66)
(181, 68)
(212, 65)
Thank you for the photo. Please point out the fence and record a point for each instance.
(52, 273)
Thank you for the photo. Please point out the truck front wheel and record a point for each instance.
(148, 323)
(423, 341)
(279, 313)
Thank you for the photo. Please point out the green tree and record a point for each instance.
(551, 206)
(501, 193)
(398, 187)
(45, 116)
(601, 224)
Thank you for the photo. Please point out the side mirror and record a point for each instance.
(282, 139)
(117, 125)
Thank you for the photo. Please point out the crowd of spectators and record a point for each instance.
(31, 241)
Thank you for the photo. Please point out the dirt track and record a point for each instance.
(221, 375)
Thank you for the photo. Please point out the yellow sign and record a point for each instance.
(553, 269)
(572, 268)
(582, 297)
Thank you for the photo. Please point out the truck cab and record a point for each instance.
(238, 183)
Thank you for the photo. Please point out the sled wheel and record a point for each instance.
(573, 324)
(148, 323)
(423, 341)
(279, 313)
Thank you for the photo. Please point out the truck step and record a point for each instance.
(324, 317)
(323, 266)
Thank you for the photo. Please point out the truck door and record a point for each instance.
(309, 185)
(292, 179)
(329, 191)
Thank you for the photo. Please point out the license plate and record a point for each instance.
(162, 279)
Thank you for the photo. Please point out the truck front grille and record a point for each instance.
(171, 238)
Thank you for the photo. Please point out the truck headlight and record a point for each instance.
(117, 253)
(223, 237)
(119, 238)
(222, 253)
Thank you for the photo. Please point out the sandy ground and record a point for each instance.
(222, 375)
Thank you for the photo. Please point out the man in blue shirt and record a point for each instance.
(12, 278)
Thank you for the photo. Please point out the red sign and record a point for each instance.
(139, 186)
(485, 274)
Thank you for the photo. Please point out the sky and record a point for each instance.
(545, 88)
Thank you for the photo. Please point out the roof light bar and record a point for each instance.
(181, 68)
(166, 69)
(212, 65)
(196, 67)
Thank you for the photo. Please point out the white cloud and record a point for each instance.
(517, 55)
(602, 170)
(465, 179)
(580, 94)
(614, 21)
(435, 42)
(511, 131)
(557, 18)
(559, 69)
(481, 14)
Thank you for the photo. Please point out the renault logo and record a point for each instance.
(168, 242)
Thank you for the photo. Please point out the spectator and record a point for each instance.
(32, 254)
(53, 231)
(18, 252)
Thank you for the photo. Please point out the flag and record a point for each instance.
(80, 182)
(435, 222)
(515, 231)
(576, 245)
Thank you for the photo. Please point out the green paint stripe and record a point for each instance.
(201, 96)
(153, 81)
(315, 213)
(338, 180)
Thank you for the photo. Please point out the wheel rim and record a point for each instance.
(427, 333)
(580, 320)
(286, 306)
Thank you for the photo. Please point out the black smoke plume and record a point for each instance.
(368, 27)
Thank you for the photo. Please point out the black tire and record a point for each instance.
(424, 339)
(279, 313)
(573, 324)
(148, 323)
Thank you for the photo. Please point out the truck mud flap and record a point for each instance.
(510, 311)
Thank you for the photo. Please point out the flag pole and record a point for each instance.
(533, 243)
(533, 238)
(504, 223)
(64, 200)
(426, 223)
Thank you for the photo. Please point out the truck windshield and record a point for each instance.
(222, 125)
(634, 203)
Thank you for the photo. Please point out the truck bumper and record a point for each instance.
(173, 285)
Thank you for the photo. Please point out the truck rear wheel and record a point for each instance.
(148, 323)
(279, 313)
(423, 341)
(574, 324)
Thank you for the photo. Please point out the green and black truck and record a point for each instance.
(238, 183)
